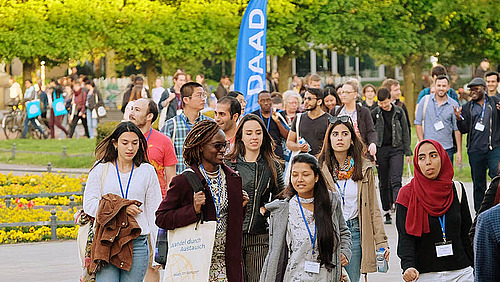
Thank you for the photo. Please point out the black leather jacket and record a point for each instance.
(259, 183)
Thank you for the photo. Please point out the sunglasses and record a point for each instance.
(342, 119)
(220, 146)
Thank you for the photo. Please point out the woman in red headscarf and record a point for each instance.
(433, 219)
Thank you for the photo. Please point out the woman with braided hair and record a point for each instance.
(221, 200)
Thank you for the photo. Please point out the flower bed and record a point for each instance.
(30, 209)
(36, 184)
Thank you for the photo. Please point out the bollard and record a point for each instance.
(49, 167)
(13, 150)
(8, 201)
(53, 225)
(83, 187)
(64, 154)
(72, 203)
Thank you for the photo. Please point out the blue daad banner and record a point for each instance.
(250, 73)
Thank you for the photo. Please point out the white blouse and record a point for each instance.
(144, 187)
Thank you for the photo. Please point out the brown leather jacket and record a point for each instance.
(114, 233)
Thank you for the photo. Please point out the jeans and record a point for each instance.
(91, 123)
(390, 163)
(32, 120)
(354, 267)
(140, 263)
(450, 153)
(479, 163)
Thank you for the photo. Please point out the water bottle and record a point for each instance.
(303, 141)
(382, 265)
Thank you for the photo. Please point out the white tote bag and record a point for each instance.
(190, 252)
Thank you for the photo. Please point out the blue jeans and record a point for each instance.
(140, 263)
(91, 123)
(32, 120)
(479, 163)
(354, 267)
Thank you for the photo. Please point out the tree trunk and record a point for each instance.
(151, 73)
(285, 71)
(110, 64)
(233, 67)
(97, 67)
(409, 87)
(28, 69)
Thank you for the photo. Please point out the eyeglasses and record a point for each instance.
(201, 96)
(309, 98)
(219, 146)
(347, 92)
(342, 119)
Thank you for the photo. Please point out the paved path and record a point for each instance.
(58, 261)
(34, 169)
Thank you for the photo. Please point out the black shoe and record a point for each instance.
(388, 219)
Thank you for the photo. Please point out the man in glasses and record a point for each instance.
(480, 120)
(393, 143)
(312, 126)
(178, 127)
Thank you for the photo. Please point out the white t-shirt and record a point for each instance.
(157, 94)
(144, 187)
(349, 192)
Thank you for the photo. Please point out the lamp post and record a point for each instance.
(42, 74)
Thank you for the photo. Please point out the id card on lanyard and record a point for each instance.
(480, 124)
(309, 266)
(445, 248)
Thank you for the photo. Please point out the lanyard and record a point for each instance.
(151, 130)
(313, 238)
(185, 122)
(269, 120)
(442, 223)
(482, 112)
(120, 181)
(217, 203)
(436, 108)
(342, 192)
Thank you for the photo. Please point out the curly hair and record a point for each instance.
(202, 132)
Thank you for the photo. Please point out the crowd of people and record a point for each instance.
(291, 186)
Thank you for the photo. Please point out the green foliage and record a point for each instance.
(104, 130)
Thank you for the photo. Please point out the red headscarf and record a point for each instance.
(423, 197)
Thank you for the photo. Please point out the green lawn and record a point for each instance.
(73, 146)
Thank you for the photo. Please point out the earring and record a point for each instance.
(116, 148)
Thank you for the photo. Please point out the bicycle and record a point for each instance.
(13, 123)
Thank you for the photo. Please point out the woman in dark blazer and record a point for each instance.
(222, 199)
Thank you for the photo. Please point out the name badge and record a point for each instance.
(439, 125)
(444, 249)
(311, 266)
(479, 126)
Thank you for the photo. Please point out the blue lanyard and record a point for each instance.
(482, 112)
(151, 130)
(313, 238)
(342, 193)
(217, 203)
(120, 181)
(269, 120)
(436, 108)
(442, 223)
(185, 122)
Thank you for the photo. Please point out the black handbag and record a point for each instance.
(161, 250)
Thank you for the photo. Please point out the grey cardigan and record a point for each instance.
(277, 257)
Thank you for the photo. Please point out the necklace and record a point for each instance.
(306, 201)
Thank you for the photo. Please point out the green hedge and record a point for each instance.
(105, 129)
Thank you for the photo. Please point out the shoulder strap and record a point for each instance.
(459, 187)
(195, 184)
(104, 174)
(175, 128)
(297, 126)
(427, 98)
